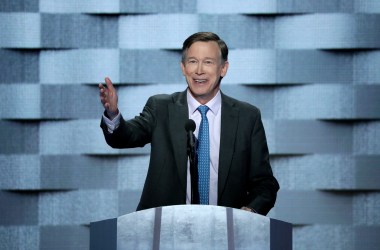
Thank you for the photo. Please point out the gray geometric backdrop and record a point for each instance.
(311, 66)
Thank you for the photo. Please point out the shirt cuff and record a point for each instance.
(112, 125)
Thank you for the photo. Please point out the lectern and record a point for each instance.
(191, 227)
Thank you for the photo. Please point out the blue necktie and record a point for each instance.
(203, 157)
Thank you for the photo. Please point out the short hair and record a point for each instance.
(205, 37)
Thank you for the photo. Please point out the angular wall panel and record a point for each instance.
(252, 31)
(317, 237)
(366, 70)
(148, 31)
(78, 137)
(64, 237)
(73, 6)
(367, 102)
(20, 30)
(118, 6)
(275, 6)
(155, 63)
(368, 6)
(78, 66)
(19, 6)
(72, 137)
(21, 101)
(327, 31)
(366, 209)
(308, 137)
(128, 201)
(239, 6)
(367, 172)
(19, 66)
(20, 172)
(314, 207)
(336, 237)
(62, 172)
(20, 237)
(366, 138)
(153, 6)
(314, 6)
(334, 101)
(78, 172)
(288, 67)
(367, 237)
(78, 31)
(46, 101)
(71, 101)
(76, 207)
(19, 137)
(327, 172)
(251, 66)
(304, 172)
(132, 172)
(18, 208)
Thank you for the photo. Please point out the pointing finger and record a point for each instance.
(109, 84)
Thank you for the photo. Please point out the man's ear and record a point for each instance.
(183, 69)
(224, 69)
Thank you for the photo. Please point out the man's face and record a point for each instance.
(202, 69)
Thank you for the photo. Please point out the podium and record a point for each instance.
(191, 227)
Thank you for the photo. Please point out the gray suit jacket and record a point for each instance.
(245, 176)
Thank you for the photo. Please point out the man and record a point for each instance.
(234, 168)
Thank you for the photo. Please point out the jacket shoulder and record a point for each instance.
(245, 106)
(166, 97)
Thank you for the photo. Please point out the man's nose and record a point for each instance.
(200, 69)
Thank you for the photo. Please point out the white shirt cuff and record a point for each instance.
(112, 124)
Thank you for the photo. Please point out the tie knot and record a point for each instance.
(203, 109)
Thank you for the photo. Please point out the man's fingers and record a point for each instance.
(109, 84)
(108, 96)
(103, 94)
(102, 89)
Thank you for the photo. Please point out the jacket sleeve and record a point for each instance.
(135, 132)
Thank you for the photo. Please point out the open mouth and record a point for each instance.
(199, 80)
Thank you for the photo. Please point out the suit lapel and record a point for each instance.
(178, 115)
(229, 124)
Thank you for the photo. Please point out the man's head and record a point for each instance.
(205, 37)
(204, 64)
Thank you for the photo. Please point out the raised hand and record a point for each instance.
(108, 97)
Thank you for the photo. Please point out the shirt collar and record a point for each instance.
(214, 104)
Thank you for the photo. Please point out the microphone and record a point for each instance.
(190, 128)
(192, 154)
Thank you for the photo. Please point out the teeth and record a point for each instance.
(200, 81)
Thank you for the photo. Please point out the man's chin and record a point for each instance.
(197, 93)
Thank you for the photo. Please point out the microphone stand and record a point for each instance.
(193, 159)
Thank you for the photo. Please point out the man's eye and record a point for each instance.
(209, 62)
(192, 61)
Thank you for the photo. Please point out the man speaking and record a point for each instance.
(233, 168)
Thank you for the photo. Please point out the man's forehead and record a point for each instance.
(209, 47)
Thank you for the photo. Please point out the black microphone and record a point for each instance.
(190, 128)
(192, 153)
